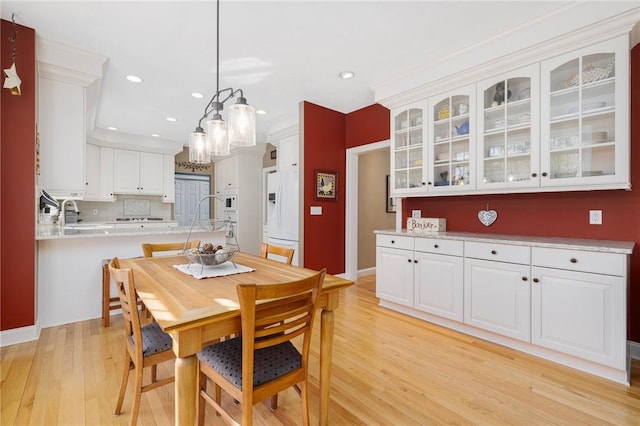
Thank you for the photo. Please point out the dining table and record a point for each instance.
(196, 312)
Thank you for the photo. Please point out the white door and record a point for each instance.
(439, 285)
(394, 275)
(189, 190)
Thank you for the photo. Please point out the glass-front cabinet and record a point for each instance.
(451, 141)
(408, 153)
(585, 138)
(508, 129)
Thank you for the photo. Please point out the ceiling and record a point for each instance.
(278, 52)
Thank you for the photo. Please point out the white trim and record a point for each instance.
(634, 350)
(366, 272)
(283, 133)
(19, 335)
(351, 206)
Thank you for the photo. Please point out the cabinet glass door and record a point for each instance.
(582, 106)
(508, 154)
(408, 149)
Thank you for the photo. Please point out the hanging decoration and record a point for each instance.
(487, 217)
(11, 80)
(193, 166)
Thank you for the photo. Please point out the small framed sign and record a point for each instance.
(326, 185)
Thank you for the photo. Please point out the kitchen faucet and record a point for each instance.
(61, 218)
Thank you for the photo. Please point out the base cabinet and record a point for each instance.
(394, 275)
(438, 285)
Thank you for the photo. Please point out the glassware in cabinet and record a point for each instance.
(407, 153)
(585, 117)
(451, 141)
(508, 148)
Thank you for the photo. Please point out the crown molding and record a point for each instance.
(61, 62)
(119, 140)
(393, 96)
(275, 137)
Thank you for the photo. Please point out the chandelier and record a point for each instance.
(238, 130)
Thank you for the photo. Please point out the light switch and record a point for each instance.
(316, 210)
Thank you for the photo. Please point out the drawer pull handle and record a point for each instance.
(436, 246)
(525, 279)
(494, 252)
(535, 280)
(573, 260)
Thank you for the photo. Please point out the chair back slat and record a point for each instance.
(267, 249)
(150, 248)
(128, 300)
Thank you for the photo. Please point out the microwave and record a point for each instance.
(231, 203)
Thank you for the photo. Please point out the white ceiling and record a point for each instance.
(278, 52)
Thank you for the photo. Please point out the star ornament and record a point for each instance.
(12, 81)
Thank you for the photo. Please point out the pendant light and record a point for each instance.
(240, 130)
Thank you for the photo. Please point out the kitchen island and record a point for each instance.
(69, 264)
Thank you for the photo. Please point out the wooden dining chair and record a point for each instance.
(262, 361)
(267, 249)
(145, 346)
(149, 248)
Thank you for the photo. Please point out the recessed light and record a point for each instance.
(112, 128)
(261, 112)
(197, 95)
(347, 75)
(134, 79)
(155, 135)
(171, 119)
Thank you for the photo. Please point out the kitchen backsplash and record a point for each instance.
(125, 206)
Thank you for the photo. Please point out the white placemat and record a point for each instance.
(199, 272)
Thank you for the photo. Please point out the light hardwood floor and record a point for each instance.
(388, 369)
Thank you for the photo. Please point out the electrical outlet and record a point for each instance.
(416, 213)
(94, 212)
(595, 217)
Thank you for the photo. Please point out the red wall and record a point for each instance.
(367, 125)
(17, 183)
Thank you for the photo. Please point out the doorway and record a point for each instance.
(190, 188)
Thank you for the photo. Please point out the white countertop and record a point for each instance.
(50, 232)
(623, 247)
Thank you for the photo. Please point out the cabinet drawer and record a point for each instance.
(439, 246)
(498, 252)
(394, 241)
(582, 261)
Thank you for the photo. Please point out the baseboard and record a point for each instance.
(19, 335)
(366, 271)
(634, 350)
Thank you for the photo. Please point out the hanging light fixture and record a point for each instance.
(240, 130)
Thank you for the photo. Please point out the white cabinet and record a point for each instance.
(580, 313)
(138, 172)
(227, 174)
(61, 131)
(496, 288)
(439, 277)
(394, 269)
(585, 116)
(407, 153)
(169, 174)
(99, 174)
(509, 129)
(288, 154)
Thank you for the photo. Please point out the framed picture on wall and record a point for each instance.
(391, 202)
(326, 185)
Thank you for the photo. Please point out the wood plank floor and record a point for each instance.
(388, 369)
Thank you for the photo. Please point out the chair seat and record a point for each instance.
(154, 340)
(269, 363)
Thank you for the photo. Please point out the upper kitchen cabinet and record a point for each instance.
(227, 174)
(288, 153)
(61, 133)
(408, 154)
(138, 172)
(452, 141)
(508, 129)
(585, 117)
(99, 174)
(169, 193)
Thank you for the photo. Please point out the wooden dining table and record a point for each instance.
(198, 311)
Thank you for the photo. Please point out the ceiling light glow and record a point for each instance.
(112, 128)
(345, 75)
(134, 79)
(197, 95)
(261, 112)
(173, 120)
(155, 135)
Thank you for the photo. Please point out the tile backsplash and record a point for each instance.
(125, 206)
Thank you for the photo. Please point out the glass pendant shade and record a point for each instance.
(217, 139)
(242, 124)
(197, 147)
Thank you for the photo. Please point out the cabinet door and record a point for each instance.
(497, 297)
(169, 194)
(585, 110)
(439, 285)
(452, 141)
(151, 173)
(62, 138)
(394, 275)
(106, 174)
(126, 171)
(288, 150)
(508, 130)
(407, 154)
(580, 314)
(92, 173)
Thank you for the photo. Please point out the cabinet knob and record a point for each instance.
(423, 183)
(415, 261)
(409, 260)
(525, 279)
(534, 175)
(544, 174)
(535, 280)
(294, 164)
(573, 260)
(429, 183)
(436, 246)
(494, 252)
